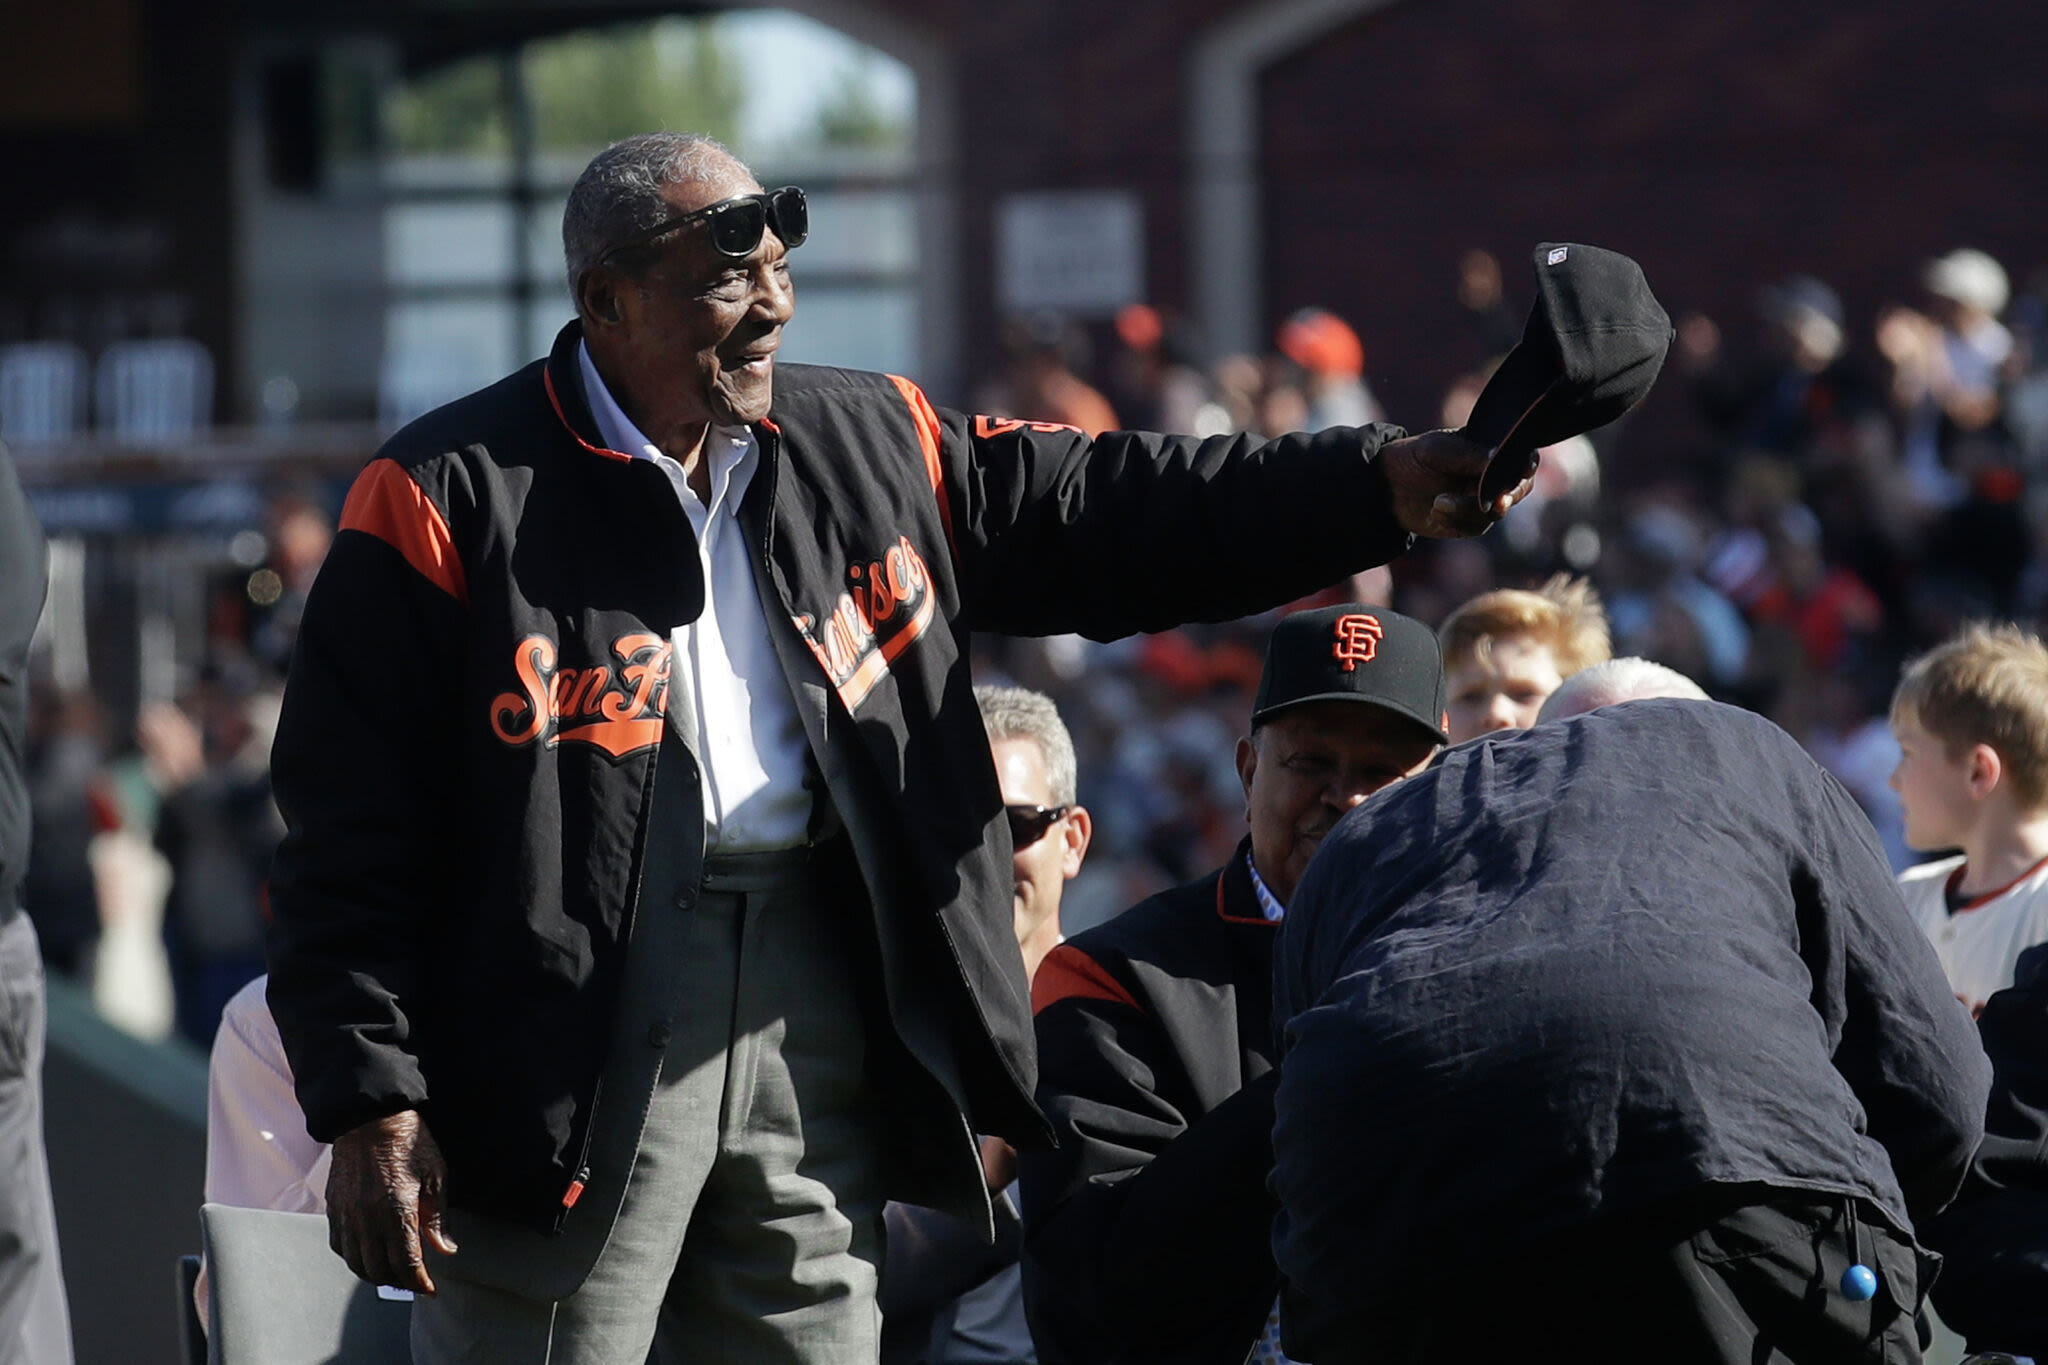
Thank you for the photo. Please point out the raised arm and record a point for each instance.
(1134, 531)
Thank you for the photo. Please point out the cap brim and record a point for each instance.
(1433, 726)
(1501, 418)
(1595, 340)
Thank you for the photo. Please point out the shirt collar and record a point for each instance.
(1269, 904)
(726, 447)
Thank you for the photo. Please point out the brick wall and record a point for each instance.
(1721, 144)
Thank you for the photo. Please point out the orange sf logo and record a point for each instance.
(615, 707)
(1358, 640)
(888, 605)
(988, 428)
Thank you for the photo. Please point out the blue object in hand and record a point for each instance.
(1859, 1283)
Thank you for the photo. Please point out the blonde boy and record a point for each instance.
(1971, 718)
(1506, 651)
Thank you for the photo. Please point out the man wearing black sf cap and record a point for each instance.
(1147, 1233)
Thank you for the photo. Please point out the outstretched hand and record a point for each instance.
(1435, 476)
(385, 1196)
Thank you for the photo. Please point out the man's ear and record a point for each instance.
(1077, 829)
(597, 297)
(1247, 764)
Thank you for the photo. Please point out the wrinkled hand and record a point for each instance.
(384, 1199)
(1435, 482)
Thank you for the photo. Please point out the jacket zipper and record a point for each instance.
(581, 1180)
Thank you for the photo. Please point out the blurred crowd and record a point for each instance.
(151, 848)
(1840, 494)
(1834, 495)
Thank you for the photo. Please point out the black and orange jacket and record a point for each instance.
(1148, 1231)
(467, 752)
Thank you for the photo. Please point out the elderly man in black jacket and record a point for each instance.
(1613, 1036)
(644, 917)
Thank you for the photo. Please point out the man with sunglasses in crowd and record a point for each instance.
(1148, 1230)
(948, 1296)
(641, 926)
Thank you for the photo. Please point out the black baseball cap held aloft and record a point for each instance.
(1354, 653)
(1593, 346)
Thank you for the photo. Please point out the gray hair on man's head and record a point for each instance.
(618, 196)
(1616, 681)
(1020, 713)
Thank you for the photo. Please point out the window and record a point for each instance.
(481, 153)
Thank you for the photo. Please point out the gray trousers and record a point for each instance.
(748, 1225)
(35, 1323)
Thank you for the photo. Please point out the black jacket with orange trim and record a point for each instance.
(1147, 1233)
(467, 753)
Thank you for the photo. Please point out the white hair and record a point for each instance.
(1020, 713)
(618, 196)
(1617, 680)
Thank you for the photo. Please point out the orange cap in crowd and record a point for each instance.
(1322, 343)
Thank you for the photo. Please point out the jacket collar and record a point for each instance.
(1236, 902)
(563, 380)
(562, 376)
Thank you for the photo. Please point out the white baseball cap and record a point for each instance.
(1968, 277)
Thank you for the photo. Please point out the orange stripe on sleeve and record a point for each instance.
(1067, 973)
(386, 503)
(927, 423)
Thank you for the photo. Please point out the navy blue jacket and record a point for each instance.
(1573, 972)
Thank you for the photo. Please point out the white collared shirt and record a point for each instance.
(750, 739)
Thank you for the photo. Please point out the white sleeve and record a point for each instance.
(258, 1154)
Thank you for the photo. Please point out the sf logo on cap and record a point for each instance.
(1358, 640)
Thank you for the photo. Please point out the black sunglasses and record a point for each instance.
(1028, 824)
(737, 223)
